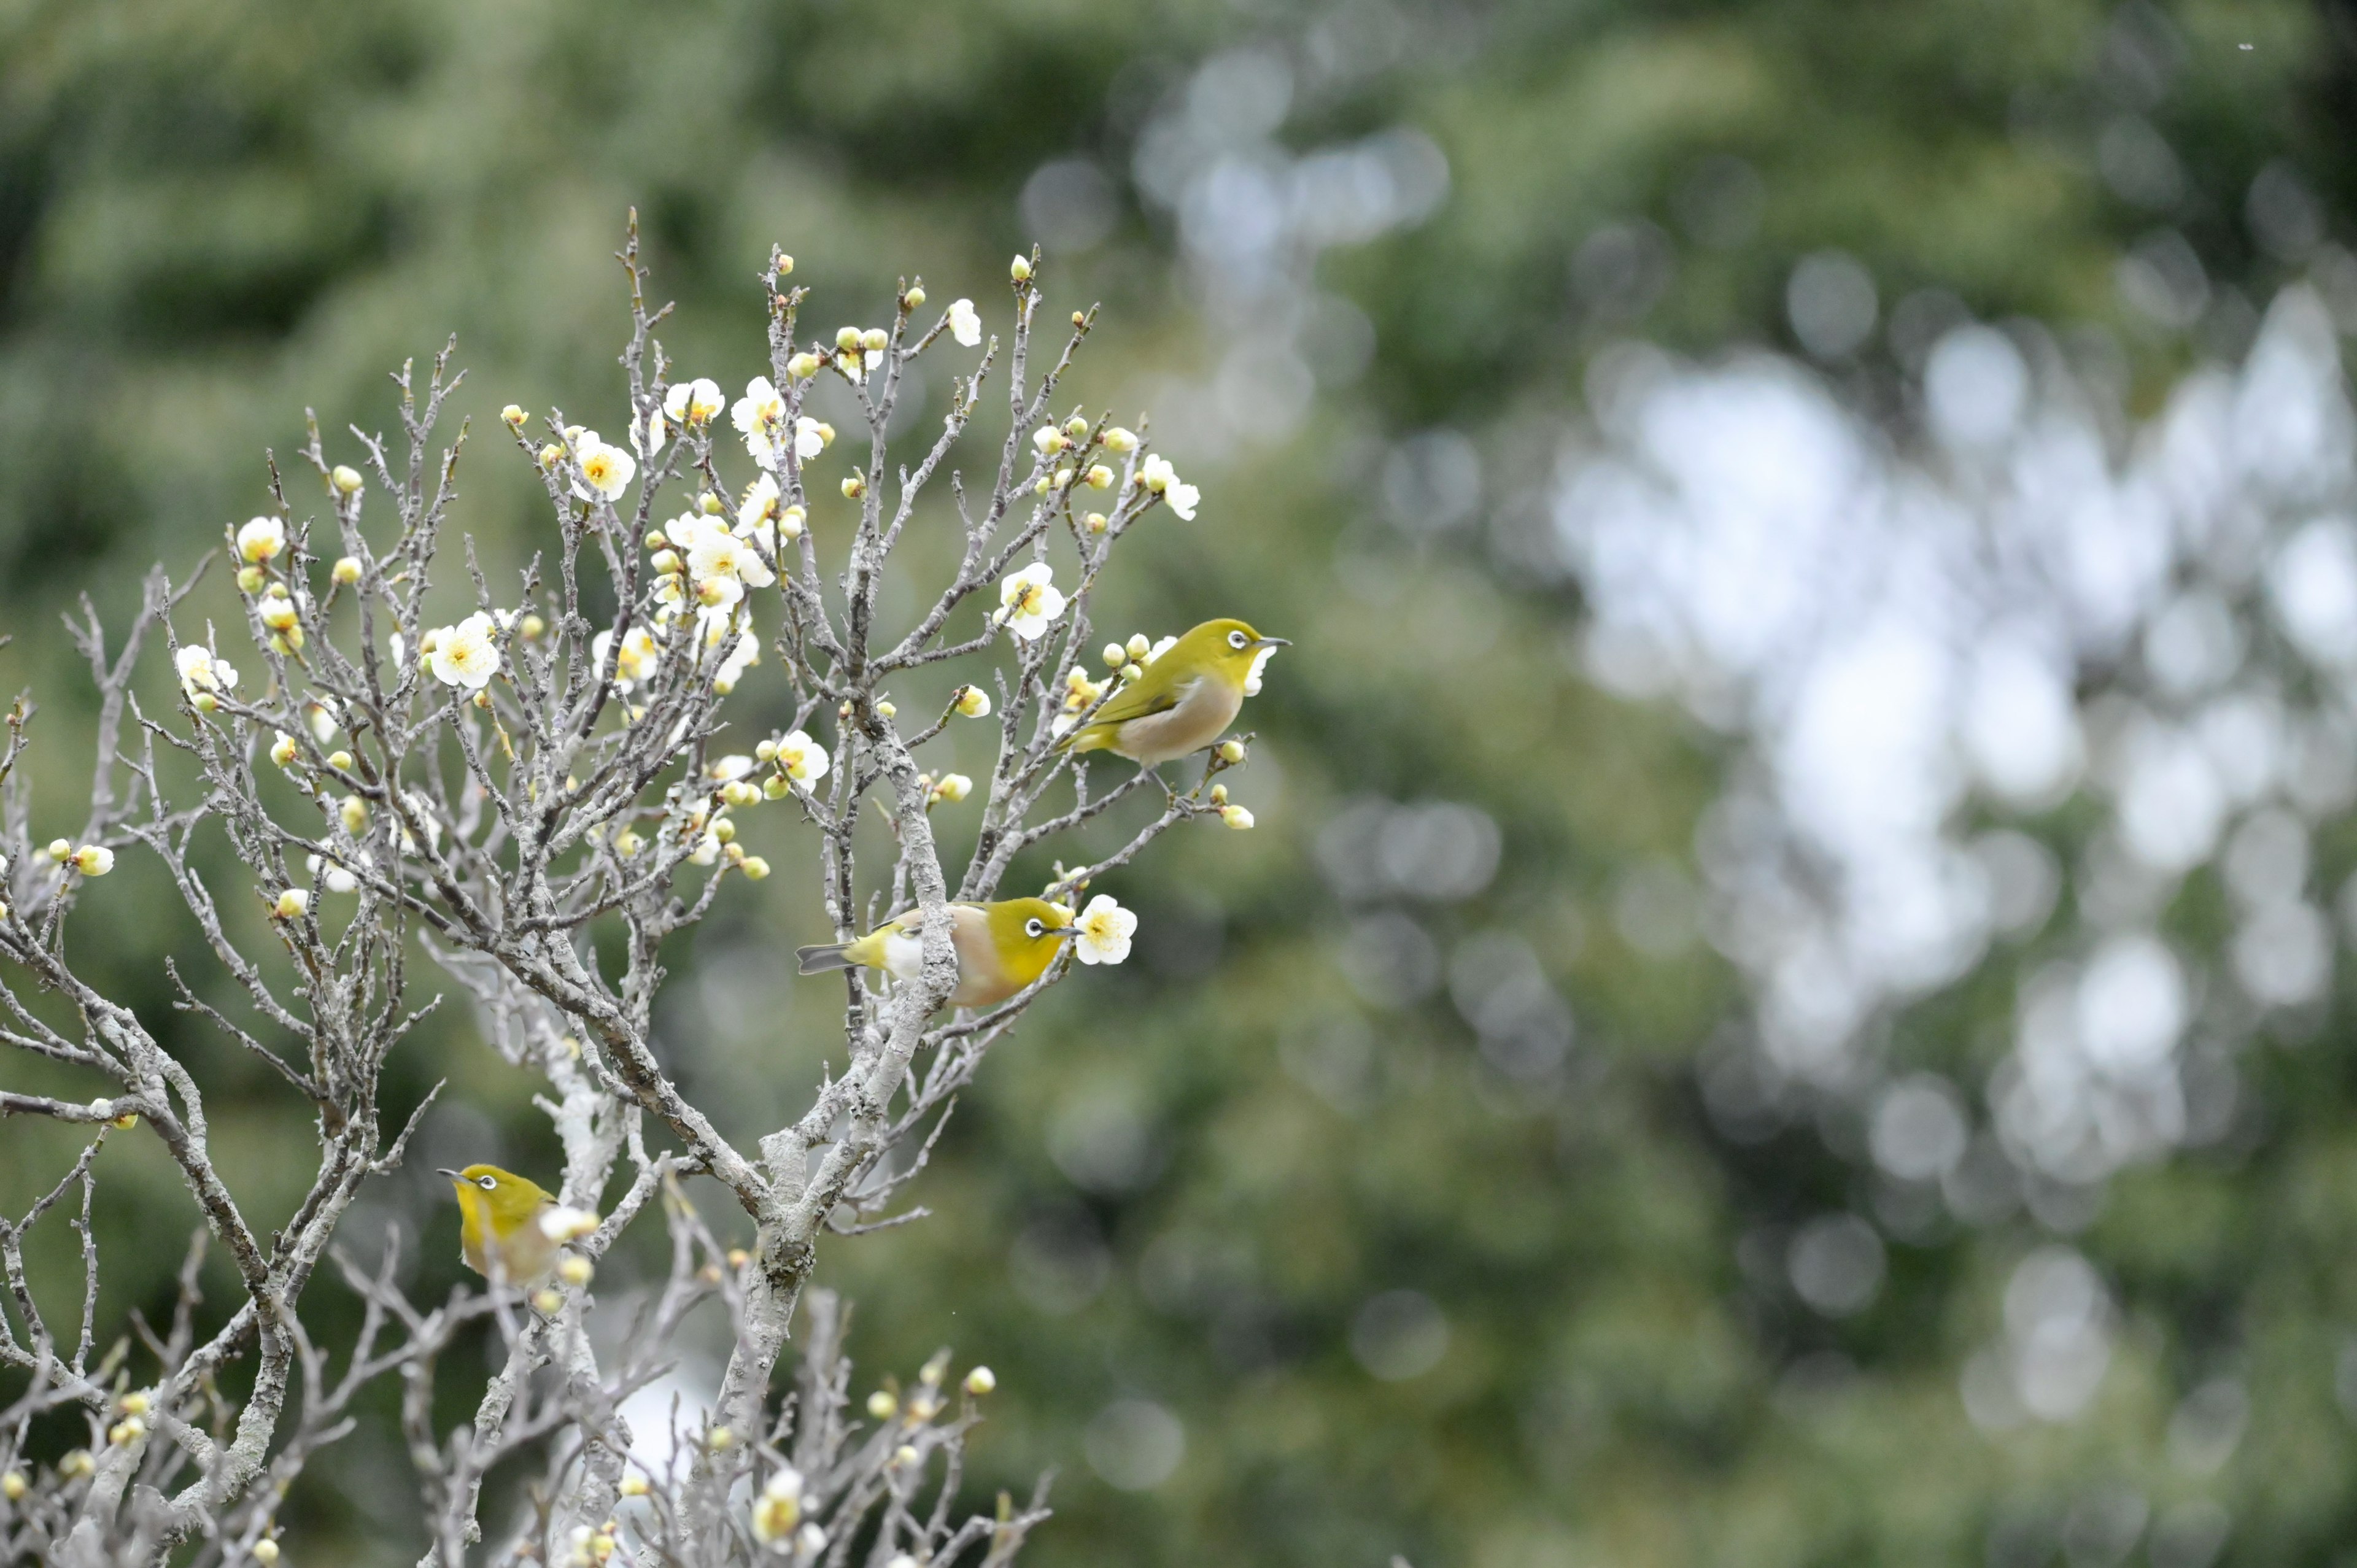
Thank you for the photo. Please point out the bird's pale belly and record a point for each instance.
(1201, 716)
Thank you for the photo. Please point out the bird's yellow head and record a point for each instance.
(1027, 934)
(499, 1202)
(1226, 649)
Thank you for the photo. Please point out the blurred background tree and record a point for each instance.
(1585, 1124)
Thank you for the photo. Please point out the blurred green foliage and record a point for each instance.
(1186, 1179)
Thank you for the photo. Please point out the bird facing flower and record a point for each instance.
(500, 1233)
(1001, 948)
(1184, 700)
(466, 654)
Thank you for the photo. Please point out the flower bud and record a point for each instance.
(249, 579)
(265, 1553)
(93, 860)
(785, 269)
(1231, 752)
(1100, 477)
(126, 1432)
(1119, 441)
(512, 417)
(128, 1121)
(854, 486)
(577, 1270)
(766, 752)
(341, 762)
(278, 615)
(60, 850)
(626, 842)
(347, 570)
(882, 1405)
(353, 812)
(755, 868)
(204, 702)
(76, 1465)
(981, 1381)
(546, 1302)
(1140, 645)
(915, 298)
(802, 367)
(724, 830)
(954, 788)
(135, 1403)
(1236, 817)
(13, 1485)
(1095, 522)
(848, 340)
(884, 710)
(531, 626)
(292, 904)
(789, 522)
(974, 702)
(906, 1456)
(666, 563)
(1219, 794)
(720, 1440)
(633, 1487)
(1063, 479)
(1020, 269)
(876, 340)
(346, 479)
(776, 786)
(551, 455)
(742, 792)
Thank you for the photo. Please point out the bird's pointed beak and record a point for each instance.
(442, 1170)
(1064, 933)
(1272, 642)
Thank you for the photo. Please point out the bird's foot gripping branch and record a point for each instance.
(408, 765)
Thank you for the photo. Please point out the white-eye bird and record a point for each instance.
(1184, 700)
(1001, 948)
(500, 1233)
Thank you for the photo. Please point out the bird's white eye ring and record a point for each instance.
(488, 1183)
(1237, 639)
(1032, 927)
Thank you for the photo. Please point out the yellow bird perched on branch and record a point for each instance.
(1183, 701)
(1001, 948)
(499, 1231)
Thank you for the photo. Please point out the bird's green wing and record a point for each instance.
(1159, 691)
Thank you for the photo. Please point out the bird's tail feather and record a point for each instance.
(820, 959)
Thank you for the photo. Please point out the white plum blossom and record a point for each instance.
(717, 552)
(758, 415)
(335, 878)
(1028, 601)
(1105, 928)
(1158, 650)
(201, 671)
(810, 437)
(779, 1509)
(1156, 474)
(730, 769)
(636, 660)
(964, 324)
(466, 654)
(261, 539)
(566, 1223)
(698, 401)
(648, 439)
(743, 653)
(1252, 676)
(606, 471)
(802, 759)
